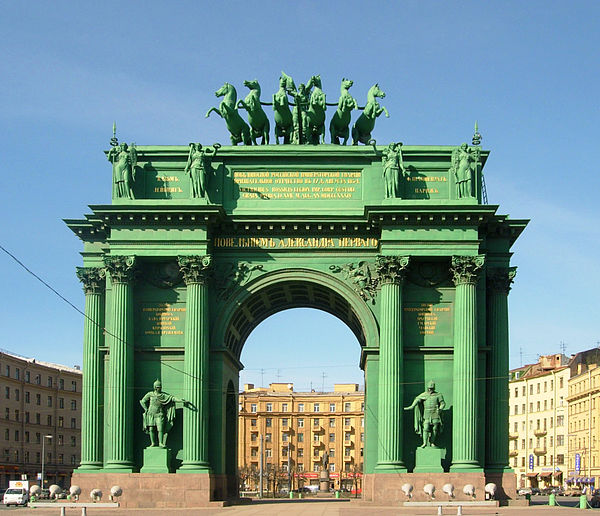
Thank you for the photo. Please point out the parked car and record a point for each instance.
(524, 491)
(536, 491)
(573, 491)
(15, 496)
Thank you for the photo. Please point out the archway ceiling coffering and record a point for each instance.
(282, 296)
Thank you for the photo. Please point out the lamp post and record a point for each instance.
(44, 455)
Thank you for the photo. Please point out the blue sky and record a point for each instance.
(527, 71)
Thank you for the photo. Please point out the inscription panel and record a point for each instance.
(283, 243)
(299, 184)
(161, 324)
(427, 323)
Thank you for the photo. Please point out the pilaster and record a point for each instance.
(93, 279)
(119, 424)
(499, 281)
(391, 271)
(465, 271)
(196, 271)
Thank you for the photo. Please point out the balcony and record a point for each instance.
(348, 442)
(513, 453)
(347, 458)
(540, 432)
(513, 437)
(348, 428)
(540, 451)
(318, 429)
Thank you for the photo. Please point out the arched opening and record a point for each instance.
(310, 430)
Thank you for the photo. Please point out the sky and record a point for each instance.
(526, 71)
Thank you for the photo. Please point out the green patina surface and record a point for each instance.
(185, 263)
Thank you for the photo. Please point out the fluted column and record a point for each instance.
(465, 270)
(195, 271)
(93, 279)
(119, 424)
(391, 271)
(498, 286)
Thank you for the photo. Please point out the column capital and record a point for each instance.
(466, 269)
(121, 268)
(195, 269)
(499, 279)
(391, 269)
(93, 279)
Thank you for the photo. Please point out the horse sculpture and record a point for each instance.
(339, 127)
(259, 122)
(228, 110)
(361, 131)
(315, 132)
(284, 124)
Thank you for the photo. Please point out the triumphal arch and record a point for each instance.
(202, 242)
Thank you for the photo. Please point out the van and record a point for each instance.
(15, 496)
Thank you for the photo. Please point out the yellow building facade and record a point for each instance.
(584, 419)
(292, 431)
(538, 422)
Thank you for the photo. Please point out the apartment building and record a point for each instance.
(538, 421)
(584, 419)
(295, 429)
(40, 414)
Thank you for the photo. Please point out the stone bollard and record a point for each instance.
(83, 511)
(552, 500)
(583, 502)
(459, 511)
(440, 513)
(62, 511)
(299, 494)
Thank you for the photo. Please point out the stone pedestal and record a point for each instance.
(324, 483)
(156, 460)
(429, 460)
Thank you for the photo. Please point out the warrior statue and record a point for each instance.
(159, 414)
(428, 421)
(124, 160)
(199, 168)
(393, 168)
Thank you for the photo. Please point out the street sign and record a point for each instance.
(531, 461)
(39, 476)
(577, 462)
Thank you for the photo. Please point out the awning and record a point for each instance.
(546, 474)
(558, 473)
(532, 475)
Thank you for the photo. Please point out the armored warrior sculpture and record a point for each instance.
(159, 414)
(428, 420)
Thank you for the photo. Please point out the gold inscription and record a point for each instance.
(295, 243)
(163, 319)
(427, 316)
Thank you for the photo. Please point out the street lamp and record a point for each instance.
(44, 454)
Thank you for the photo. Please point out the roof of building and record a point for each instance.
(50, 365)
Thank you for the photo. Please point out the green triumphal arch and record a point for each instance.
(202, 243)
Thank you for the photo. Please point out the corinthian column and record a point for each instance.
(498, 286)
(119, 424)
(195, 271)
(391, 271)
(465, 270)
(93, 279)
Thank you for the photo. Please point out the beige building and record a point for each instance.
(584, 419)
(538, 422)
(40, 413)
(296, 429)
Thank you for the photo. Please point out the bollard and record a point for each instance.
(337, 494)
(583, 502)
(291, 494)
(439, 513)
(459, 511)
(552, 500)
(83, 511)
(62, 511)
(299, 494)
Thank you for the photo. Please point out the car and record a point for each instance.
(15, 496)
(573, 491)
(536, 491)
(524, 491)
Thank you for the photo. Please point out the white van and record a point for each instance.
(16, 496)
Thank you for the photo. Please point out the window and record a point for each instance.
(254, 452)
(7, 413)
(516, 427)
(284, 421)
(316, 438)
(362, 437)
(49, 420)
(61, 440)
(300, 422)
(284, 407)
(531, 389)
(17, 394)
(545, 386)
(61, 384)
(284, 437)
(560, 440)
(347, 452)
(331, 422)
(523, 408)
(332, 407)
(61, 458)
(27, 397)
(524, 391)
(347, 421)
(7, 435)
(316, 422)
(316, 467)
(73, 423)
(61, 403)
(17, 415)
(38, 457)
(516, 392)
(49, 381)
(538, 406)
(74, 386)
(7, 370)
(560, 458)
(38, 437)
(61, 421)
(38, 399)
(362, 422)
(253, 436)
(315, 452)
(269, 421)
(253, 407)
(38, 420)
(347, 406)
(516, 409)
(268, 437)
(300, 437)
(347, 436)
(538, 387)
(300, 452)
(317, 407)
(300, 407)
(17, 436)
(300, 466)
(331, 452)
(561, 386)
(269, 407)
(26, 457)
(253, 422)
(27, 376)
(331, 438)
(362, 406)
(7, 392)
(38, 379)
(49, 401)
(560, 420)
(268, 453)
(26, 435)
(73, 460)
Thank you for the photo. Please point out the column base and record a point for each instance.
(467, 466)
(89, 467)
(194, 467)
(391, 467)
(120, 467)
